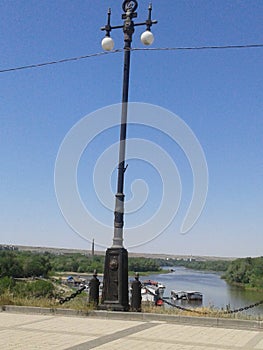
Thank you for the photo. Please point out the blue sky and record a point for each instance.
(218, 93)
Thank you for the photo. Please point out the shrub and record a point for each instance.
(34, 289)
(6, 284)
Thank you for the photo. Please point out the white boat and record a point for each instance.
(150, 289)
(186, 295)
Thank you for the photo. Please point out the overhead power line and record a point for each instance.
(249, 46)
(65, 60)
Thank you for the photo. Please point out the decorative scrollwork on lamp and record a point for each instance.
(129, 5)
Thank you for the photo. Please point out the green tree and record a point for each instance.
(10, 265)
(246, 271)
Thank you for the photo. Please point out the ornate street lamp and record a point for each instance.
(115, 283)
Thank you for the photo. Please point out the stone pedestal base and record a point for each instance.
(115, 293)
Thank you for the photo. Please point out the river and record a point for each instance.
(216, 292)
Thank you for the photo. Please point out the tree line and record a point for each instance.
(208, 265)
(19, 264)
(247, 272)
(23, 264)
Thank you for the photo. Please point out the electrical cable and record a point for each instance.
(65, 60)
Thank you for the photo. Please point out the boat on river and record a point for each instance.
(186, 295)
(152, 290)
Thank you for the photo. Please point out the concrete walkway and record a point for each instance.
(31, 331)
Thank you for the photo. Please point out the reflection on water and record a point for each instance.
(216, 292)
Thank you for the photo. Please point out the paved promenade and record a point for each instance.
(31, 331)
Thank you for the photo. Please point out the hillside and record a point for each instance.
(54, 250)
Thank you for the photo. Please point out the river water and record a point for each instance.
(216, 292)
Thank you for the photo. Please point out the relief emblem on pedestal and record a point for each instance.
(113, 263)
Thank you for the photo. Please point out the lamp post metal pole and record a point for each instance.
(119, 204)
(115, 280)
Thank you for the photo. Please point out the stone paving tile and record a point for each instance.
(84, 326)
(9, 320)
(18, 331)
(259, 346)
(26, 340)
(160, 345)
(198, 335)
(37, 332)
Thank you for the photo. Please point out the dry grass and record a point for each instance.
(80, 303)
(199, 311)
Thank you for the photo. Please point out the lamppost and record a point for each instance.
(115, 282)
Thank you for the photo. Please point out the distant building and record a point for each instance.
(8, 247)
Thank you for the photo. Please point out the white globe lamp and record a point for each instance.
(147, 38)
(107, 43)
